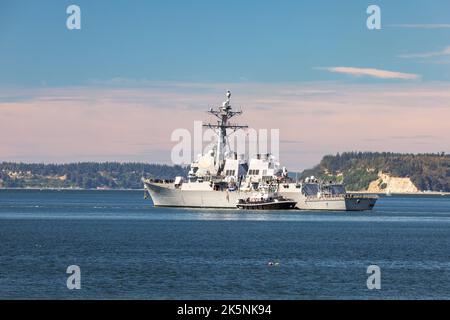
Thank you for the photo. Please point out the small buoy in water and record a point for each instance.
(270, 263)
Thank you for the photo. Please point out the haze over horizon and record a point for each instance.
(117, 88)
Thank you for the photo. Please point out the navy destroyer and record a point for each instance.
(221, 179)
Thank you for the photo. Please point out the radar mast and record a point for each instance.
(223, 113)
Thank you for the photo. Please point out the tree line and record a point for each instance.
(86, 175)
(428, 171)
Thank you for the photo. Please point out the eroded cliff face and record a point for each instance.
(387, 183)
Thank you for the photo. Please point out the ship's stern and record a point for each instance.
(360, 202)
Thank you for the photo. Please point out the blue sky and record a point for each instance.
(214, 41)
(117, 88)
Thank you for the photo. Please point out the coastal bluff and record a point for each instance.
(382, 172)
(387, 183)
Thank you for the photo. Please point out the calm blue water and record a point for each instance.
(128, 249)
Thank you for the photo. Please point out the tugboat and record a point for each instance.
(266, 202)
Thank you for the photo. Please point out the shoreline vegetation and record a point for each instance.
(367, 172)
(84, 175)
(418, 193)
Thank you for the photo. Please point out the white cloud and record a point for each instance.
(375, 73)
(422, 26)
(443, 52)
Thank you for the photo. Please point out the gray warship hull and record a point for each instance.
(166, 195)
(341, 203)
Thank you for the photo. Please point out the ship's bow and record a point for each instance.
(163, 194)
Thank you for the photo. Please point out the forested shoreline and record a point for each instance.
(429, 171)
(84, 175)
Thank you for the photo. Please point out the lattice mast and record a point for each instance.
(224, 113)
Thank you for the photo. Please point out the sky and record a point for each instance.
(137, 70)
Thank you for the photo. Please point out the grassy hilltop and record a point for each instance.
(358, 169)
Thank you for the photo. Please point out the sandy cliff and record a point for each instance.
(386, 183)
